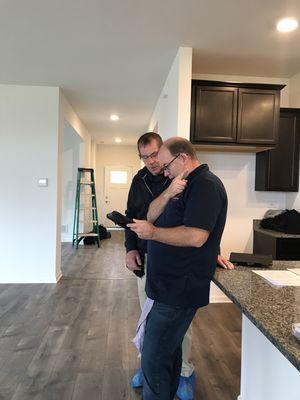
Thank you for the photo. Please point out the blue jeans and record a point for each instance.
(161, 354)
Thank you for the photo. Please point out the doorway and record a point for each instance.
(117, 181)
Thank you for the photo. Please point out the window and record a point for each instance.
(118, 177)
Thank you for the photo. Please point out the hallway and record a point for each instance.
(72, 341)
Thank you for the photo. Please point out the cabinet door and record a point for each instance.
(284, 159)
(258, 116)
(214, 114)
(278, 169)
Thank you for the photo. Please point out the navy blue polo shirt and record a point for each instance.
(181, 276)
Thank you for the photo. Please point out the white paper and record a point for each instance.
(280, 278)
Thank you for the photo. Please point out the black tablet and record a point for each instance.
(119, 219)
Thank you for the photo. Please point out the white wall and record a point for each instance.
(66, 113)
(172, 110)
(295, 90)
(237, 172)
(31, 136)
(29, 143)
(70, 163)
(93, 154)
(110, 155)
(293, 199)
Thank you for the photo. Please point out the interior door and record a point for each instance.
(116, 187)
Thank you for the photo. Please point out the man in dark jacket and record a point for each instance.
(147, 185)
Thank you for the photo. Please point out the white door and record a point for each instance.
(116, 187)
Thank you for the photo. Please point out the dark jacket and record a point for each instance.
(144, 188)
(287, 222)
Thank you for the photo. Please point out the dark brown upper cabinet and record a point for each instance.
(236, 114)
(278, 169)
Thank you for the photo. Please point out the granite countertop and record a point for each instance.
(272, 310)
(257, 227)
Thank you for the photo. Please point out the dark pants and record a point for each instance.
(161, 354)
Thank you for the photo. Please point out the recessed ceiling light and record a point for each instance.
(114, 117)
(287, 25)
(118, 140)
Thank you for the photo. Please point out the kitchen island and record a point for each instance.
(270, 367)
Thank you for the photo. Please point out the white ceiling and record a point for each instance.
(113, 56)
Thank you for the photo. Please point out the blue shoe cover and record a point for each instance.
(137, 379)
(186, 387)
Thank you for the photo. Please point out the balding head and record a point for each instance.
(178, 145)
(177, 155)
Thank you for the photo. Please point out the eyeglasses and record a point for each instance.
(151, 156)
(167, 166)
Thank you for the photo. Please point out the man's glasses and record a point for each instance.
(151, 156)
(167, 166)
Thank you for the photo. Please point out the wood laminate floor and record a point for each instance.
(72, 341)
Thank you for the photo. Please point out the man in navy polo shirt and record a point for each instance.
(183, 245)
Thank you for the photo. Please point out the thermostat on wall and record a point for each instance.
(43, 182)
